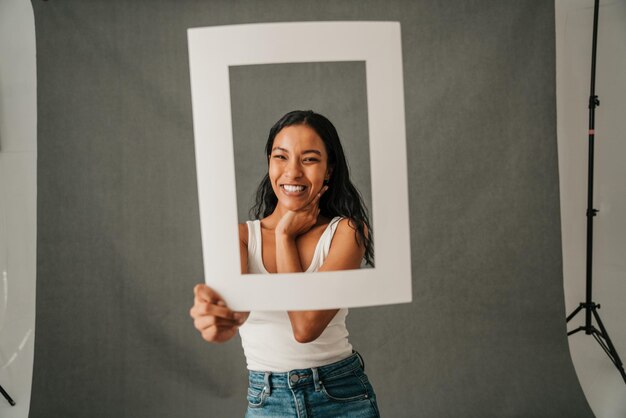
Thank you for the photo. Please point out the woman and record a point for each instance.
(309, 218)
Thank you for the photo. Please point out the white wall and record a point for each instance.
(600, 380)
(18, 186)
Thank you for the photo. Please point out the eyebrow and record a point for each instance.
(314, 151)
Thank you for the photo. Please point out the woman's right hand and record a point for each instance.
(295, 223)
(212, 318)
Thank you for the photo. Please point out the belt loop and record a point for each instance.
(360, 360)
(316, 379)
(268, 387)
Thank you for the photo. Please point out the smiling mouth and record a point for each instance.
(293, 189)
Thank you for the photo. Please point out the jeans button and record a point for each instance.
(294, 378)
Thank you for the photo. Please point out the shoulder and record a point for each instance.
(347, 234)
(243, 233)
(343, 225)
(346, 249)
(348, 225)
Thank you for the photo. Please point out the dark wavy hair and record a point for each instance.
(341, 198)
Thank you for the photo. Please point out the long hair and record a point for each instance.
(341, 198)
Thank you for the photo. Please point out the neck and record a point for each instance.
(272, 220)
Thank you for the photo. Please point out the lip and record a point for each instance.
(293, 194)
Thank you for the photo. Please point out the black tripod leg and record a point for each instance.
(614, 355)
(573, 314)
(6, 396)
(576, 330)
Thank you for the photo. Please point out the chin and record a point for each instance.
(293, 206)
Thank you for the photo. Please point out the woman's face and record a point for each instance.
(298, 166)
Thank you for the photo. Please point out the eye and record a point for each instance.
(311, 160)
(279, 157)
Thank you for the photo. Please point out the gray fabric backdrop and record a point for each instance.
(261, 94)
(118, 224)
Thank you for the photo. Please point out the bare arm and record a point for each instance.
(344, 254)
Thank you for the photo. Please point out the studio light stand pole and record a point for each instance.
(6, 396)
(590, 307)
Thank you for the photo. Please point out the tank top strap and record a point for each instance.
(252, 244)
(255, 247)
(323, 248)
(330, 233)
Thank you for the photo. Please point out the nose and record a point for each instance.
(293, 169)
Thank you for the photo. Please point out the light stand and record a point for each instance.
(590, 307)
(6, 396)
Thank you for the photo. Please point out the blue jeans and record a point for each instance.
(339, 389)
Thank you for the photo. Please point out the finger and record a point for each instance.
(197, 301)
(316, 200)
(204, 292)
(212, 294)
(197, 288)
(218, 334)
(204, 322)
(319, 195)
(225, 334)
(219, 311)
(241, 316)
(198, 310)
(201, 308)
(312, 204)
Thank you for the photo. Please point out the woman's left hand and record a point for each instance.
(295, 223)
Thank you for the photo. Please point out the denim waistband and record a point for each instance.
(301, 377)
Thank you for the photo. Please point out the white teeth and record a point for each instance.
(291, 188)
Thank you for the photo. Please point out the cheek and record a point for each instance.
(320, 174)
(272, 172)
(316, 178)
(274, 175)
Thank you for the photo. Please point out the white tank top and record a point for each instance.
(267, 337)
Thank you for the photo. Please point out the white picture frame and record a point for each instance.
(212, 50)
